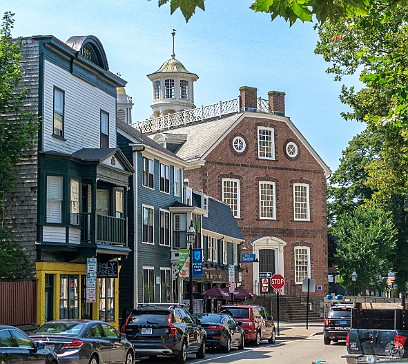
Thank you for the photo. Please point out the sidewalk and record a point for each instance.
(291, 330)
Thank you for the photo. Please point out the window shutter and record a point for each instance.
(54, 199)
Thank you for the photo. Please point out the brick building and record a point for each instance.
(248, 154)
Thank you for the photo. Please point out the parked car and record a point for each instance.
(159, 330)
(85, 342)
(337, 323)
(223, 331)
(17, 347)
(256, 322)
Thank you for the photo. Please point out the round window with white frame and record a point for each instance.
(239, 145)
(292, 149)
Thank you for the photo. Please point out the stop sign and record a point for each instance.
(277, 281)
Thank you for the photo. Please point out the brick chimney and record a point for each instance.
(248, 98)
(277, 102)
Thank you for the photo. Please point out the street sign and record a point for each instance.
(265, 288)
(248, 258)
(265, 284)
(308, 282)
(265, 274)
(277, 281)
(278, 290)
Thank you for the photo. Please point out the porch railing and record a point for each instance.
(108, 230)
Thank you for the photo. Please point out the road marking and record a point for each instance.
(239, 352)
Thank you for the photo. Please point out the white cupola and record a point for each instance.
(124, 106)
(173, 87)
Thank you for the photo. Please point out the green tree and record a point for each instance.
(375, 48)
(17, 127)
(366, 245)
(15, 264)
(17, 131)
(291, 10)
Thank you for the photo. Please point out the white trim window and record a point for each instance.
(231, 195)
(176, 181)
(302, 263)
(104, 138)
(164, 178)
(54, 199)
(224, 252)
(156, 89)
(165, 285)
(183, 89)
(215, 250)
(210, 242)
(148, 224)
(74, 217)
(164, 238)
(148, 172)
(169, 88)
(267, 200)
(266, 143)
(301, 206)
(58, 118)
(235, 254)
(148, 284)
(179, 228)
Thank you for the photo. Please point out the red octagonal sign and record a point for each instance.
(277, 281)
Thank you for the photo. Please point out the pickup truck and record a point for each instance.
(377, 334)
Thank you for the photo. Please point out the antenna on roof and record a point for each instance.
(173, 33)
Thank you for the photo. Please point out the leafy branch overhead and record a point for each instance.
(290, 10)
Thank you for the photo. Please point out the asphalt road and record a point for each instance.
(301, 351)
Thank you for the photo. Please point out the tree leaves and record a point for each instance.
(187, 7)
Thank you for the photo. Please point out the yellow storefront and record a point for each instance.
(61, 294)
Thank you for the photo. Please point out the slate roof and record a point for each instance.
(139, 137)
(221, 220)
(202, 136)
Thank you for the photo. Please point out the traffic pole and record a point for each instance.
(277, 311)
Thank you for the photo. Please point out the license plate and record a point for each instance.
(371, 359)
(343, 323)
(146, 331)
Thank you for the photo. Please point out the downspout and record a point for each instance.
(135, 233)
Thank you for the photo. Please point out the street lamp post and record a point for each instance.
(354, 278)
(190, 237)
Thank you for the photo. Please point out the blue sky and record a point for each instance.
(227, 46)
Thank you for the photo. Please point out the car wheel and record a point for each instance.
(227, 347)
(129, 358)
(181, 357)
(258, 338)
(326, 340)
(201, 353)
(272, 339)
(93, 360)
(242, 343)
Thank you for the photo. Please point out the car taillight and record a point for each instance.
(348, 339)
(172, 328)
(399, 340)
(215, 327)
(326, 322)
(249, 325)
(74, 344)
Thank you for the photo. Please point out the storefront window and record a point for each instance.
(49, 297)
(86, 307)
(69, 297)
(106, 299)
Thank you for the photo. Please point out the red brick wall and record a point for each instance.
(223, 161)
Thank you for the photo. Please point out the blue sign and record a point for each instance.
(198, 262)
(248, 258)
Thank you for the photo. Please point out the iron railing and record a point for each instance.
(213, 111)
(107, 230)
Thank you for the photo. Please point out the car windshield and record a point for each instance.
(210, 319)
(237, 312)
(61, 328)
(339, 313)
(152, 318)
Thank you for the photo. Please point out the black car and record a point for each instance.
(17, 347)
(85, 342)
(223, 331)
(159, 330)
(337, 323)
